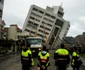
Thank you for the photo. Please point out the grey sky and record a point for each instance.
(15, 12)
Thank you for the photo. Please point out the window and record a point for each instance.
(29, 24)
(43, 31)
(53, 17)
(36, 24)
(0, 13)
(34, 41)
(48, 20)
(41, 11)
(37, 20)
(60, 13)
(29, 31)
(36, 15)
(32, 25)
(59, 23)
(45, 28)
(48, 29)
(40, 35)
(35, 9)
(56, 31)
(32, 18)
(52, 40)
(47, 14)
(49, 25)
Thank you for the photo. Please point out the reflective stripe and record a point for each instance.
(43, 58)
(62, 52)
(61, 59)
(32, 62)
(47, 63)
(72, 61)
(25, 58)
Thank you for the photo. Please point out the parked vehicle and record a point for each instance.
(36, 44)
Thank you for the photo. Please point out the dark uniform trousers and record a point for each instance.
(43, 69)
(25, 67)
(76, 68)
(26, 59)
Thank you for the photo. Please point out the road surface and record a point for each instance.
(12, 62)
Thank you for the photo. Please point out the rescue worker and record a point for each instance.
(62, 58)
(76, 61)
(26, 58)
(43, 59)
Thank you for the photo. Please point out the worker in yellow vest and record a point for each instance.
(62, 58)
(43, 59)
(76, 61)
(26, 58)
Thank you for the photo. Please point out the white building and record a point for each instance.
(1, 13)
(15, 33)
(47, 23)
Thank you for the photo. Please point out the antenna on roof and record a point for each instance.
(61, 4)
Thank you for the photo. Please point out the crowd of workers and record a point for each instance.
(61, 56)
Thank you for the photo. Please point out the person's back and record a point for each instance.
(43, 59)
(62, 58)
(76, 61)
(26, 58)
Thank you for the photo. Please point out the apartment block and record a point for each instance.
(1, 22)
(47, 23)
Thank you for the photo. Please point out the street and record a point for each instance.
(12, 62)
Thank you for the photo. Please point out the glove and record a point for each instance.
(43, 66)
(38, 68)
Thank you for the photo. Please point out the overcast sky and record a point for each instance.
(15, 12)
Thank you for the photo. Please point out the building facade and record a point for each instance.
(2, 31)
(47, 23)
(14, 32)
(1, 22)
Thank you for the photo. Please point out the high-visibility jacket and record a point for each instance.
(43, 59)
(75, 57)
(75, 54)
(61, 57)
(26, 57)
(62, 52)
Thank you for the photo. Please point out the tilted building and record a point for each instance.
(47, 23)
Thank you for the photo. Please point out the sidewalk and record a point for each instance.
(5, 55)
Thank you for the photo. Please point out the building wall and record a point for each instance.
(40, 19)
(14, 34)
(44, 22)
(64, 30)
(12, 31)
(1, 13)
